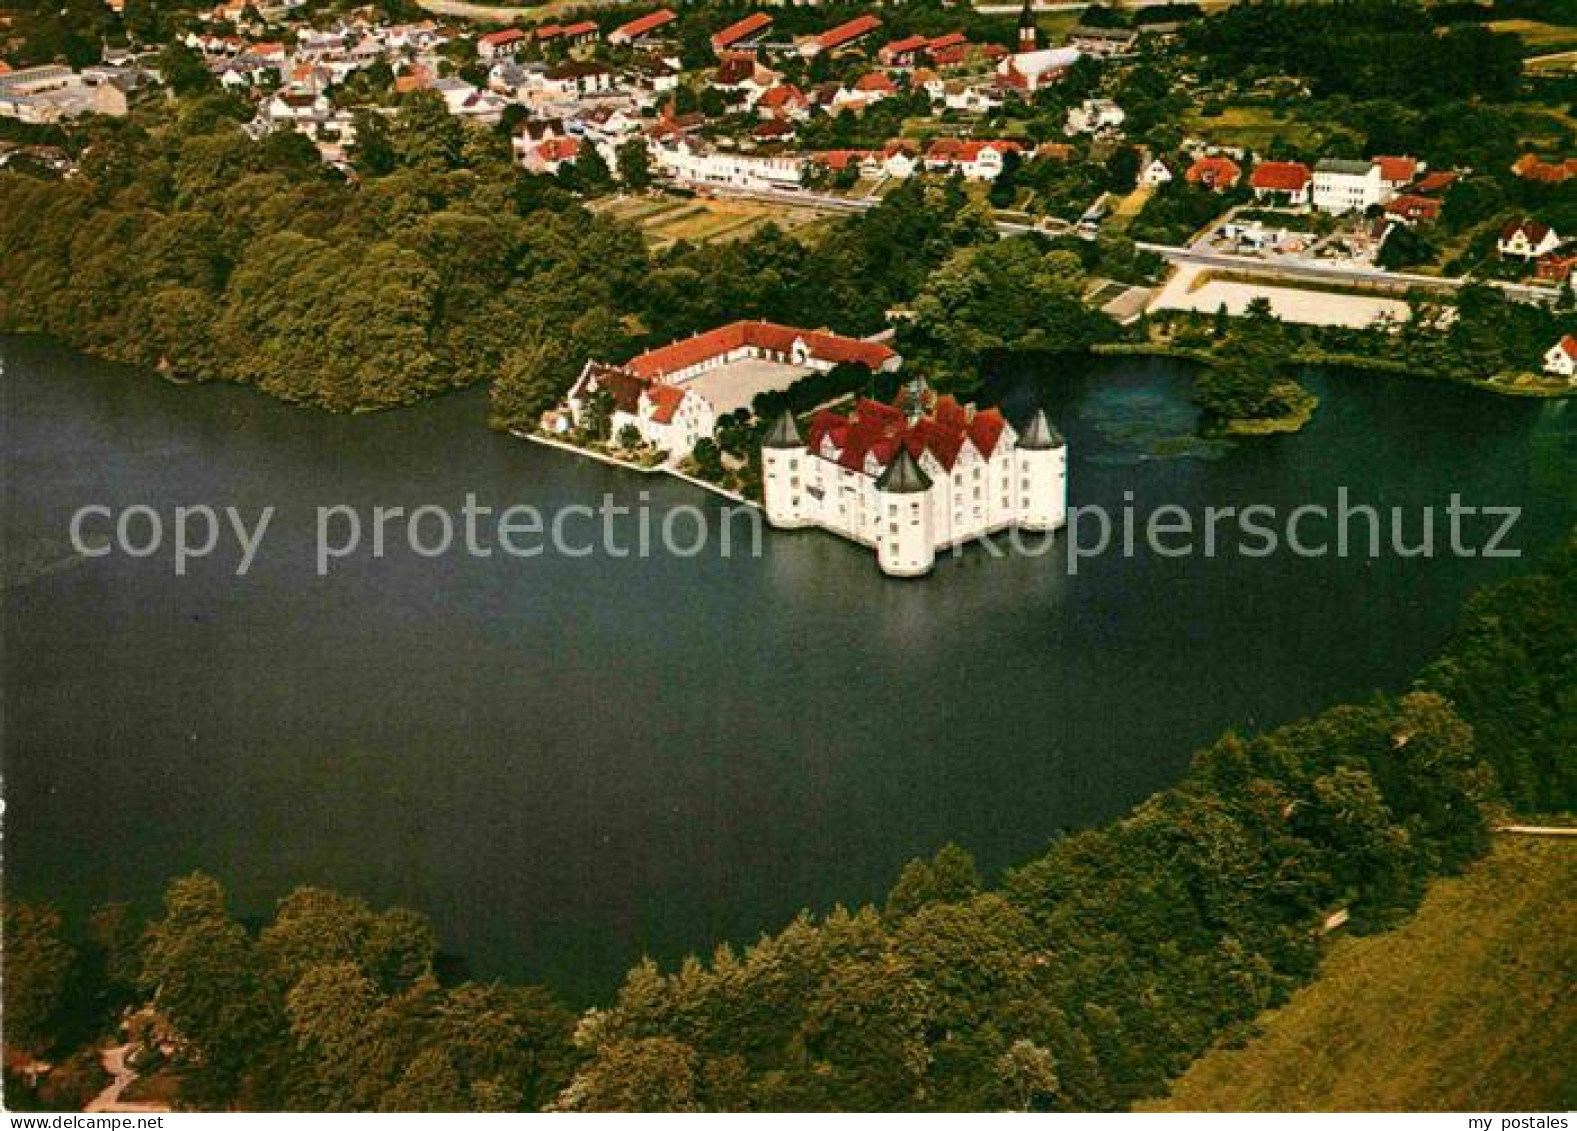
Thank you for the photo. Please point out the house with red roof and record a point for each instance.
(504, 44)
(783, 101)
(903, 52)
(841, 38)
(675, 394)
(914, 477)
(1532, 167)
(742, 34)
(1282, 182)
(642, 28)
(1396, 173)
(1561, 360)
(949, 50)
(1218, 174)
(1527, 239)
(977, 160)
(1413, 208)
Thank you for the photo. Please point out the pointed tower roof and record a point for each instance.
(1039, 435)
(903, 475)
(784, 434)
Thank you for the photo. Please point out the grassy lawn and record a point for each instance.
(665, 220)
(1254, 127)
(1466, 1007)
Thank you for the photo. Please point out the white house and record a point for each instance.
(1527, 239)
(674, 395)
(914, 477)
(1094, 115)
(1155, 174)
(692, 161)
(1561, 360)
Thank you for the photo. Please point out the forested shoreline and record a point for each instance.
(1086, 979)
(186, 246)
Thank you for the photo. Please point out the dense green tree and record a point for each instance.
(37, 963)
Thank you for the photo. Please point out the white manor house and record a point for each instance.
(675, 395)
(916, 476)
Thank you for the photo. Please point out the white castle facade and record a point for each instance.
(913, 478)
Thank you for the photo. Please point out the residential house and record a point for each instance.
(576, 78)
(976, 160)
(1094, 115)
(1104, 41)
(1282, 182)
(642, 28)
(903, 53)
(742, 35)
(1531, 167)
(841, 38)
(1219, 174)
(1412, 208)
(783, 101)
(1155, 174)
(1561, 360)
(1527, 239)
(500, 44)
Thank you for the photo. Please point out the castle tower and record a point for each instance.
(1028, 32)
(904, 546)
(1042, 458)
(783, 471)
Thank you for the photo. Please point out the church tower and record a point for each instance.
(904, 547)
(1028, 33)
(783, 471)
(1042, 457)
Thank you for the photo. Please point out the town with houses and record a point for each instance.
(801, 110)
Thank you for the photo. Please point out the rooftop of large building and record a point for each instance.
(877, 431)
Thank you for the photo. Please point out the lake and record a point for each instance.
(569, 762)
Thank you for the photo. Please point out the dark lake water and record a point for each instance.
(570, 762)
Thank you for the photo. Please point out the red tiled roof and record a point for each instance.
(847, 33)
(904, 46)
(744, 28)
(875, 430)
(1531, 167)
(1216, 172)
(585, 27)
(875, 81)
(1435, 183)
(951, 39)
(762, 335)
(1569, 346)
(1533, 230)
(780, 96)
(637, 28)
(665, 400)
(499, 38)
(839, 159)
(1411, 206)
(1281, 176)
(961, 151)
(1397, 170)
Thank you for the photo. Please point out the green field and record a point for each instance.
(665, 220)
(1254, 127)
(1469, 1006)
